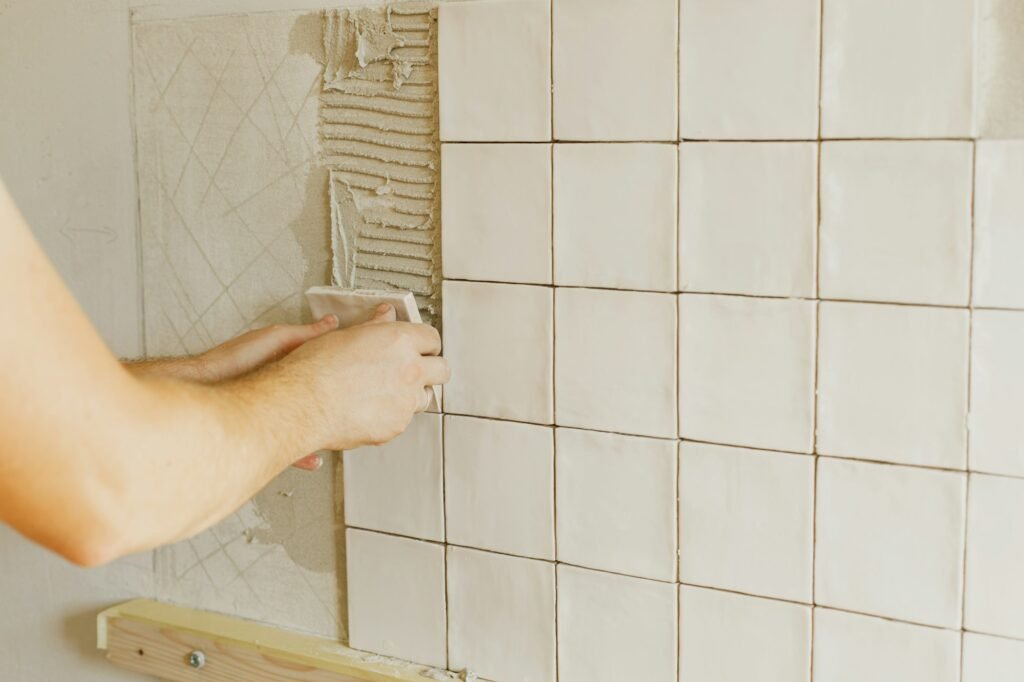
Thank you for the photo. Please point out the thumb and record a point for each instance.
(384, 313)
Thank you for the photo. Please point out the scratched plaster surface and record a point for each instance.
(235, 226)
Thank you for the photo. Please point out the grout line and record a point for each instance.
(887, 618)
(925, 467)
(444, 528)
(767, 297)
(708, 140)
(554, 334)
(970, 377)
(994, 635)
(816, 455)
(817, 332)
(821, 138)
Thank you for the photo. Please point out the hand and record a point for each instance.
(369, 380)
(256, 348)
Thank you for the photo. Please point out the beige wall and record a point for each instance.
(66, 156)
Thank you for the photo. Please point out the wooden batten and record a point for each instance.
(158, 639)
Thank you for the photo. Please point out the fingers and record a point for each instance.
(426, 396)
(272, 343)
(384, 313)
(425, 339)
(296, 335)
(309, 463)
(435, 371)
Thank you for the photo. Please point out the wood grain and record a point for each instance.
(156, 639)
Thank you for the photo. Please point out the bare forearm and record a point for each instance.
(200, 452)
(97, 461)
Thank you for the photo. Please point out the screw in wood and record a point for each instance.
(197, 659)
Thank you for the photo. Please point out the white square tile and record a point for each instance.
(498, 339)
(615, 69)
(996, 432)
(725, 637)
(999, 224)
(892, 383)
(897, 69)
(748, 218)
(992, 659)
(890, 541)
(999, 71)
(746, 371)
(499, 486)
(615, 366)
(496, 212)
(746, 520)
(397, 487)
(615, 216)
(396, 597)
(502, 616)
(616, 502)
(849, 647)
(896, 221)
(613, 628)
(994, 601)
(748, 69)
(487, 95)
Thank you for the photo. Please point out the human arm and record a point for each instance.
(97, 463)
(235, 357)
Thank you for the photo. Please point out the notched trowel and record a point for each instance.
(356, 306)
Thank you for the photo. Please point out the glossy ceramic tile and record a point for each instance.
(498, 339)
(896, 221)
(748, 218)
(850, 646)
(726, 637)
(499, 486)
(613, 628)
(615, 361)
(485, 95)
(397, 487)
(396, 597)
(616, 502)
(746, 520)
(994, 602)
(892, 383)
(897, 70)
(496, 212)
(890, 541)
(502, 616)
(746, 371)
(614, 84)
(748, 70)
(992, 659)
(999, 224)
(997, 389)
(615, 216)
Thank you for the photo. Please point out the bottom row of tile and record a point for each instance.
(496, 615)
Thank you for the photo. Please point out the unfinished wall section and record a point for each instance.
(235, 223)
(378, 132)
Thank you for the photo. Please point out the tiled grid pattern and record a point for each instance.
(839, 538)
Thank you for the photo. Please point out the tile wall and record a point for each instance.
(734, 305)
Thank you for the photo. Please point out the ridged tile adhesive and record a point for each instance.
(378, 134)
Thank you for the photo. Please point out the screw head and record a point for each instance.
(197, 659)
